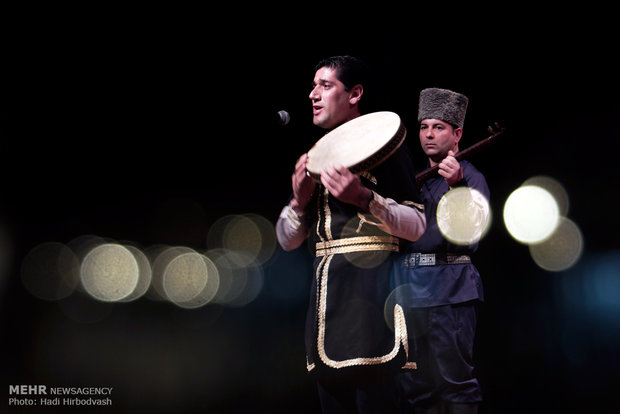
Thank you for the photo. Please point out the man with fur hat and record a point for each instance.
(436, 282)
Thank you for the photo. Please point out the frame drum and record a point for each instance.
(360, 144)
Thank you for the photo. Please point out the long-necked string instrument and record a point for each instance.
(422, 176)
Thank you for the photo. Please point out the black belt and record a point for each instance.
(432, 259)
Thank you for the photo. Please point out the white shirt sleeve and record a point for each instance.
(290, 229)
(403, 221)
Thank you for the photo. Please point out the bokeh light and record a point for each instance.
(144, 274)
(561, 250)
(555, 188)
(531, 214)
(82, 245)
(366, 259)
(190, 280)
(228, 273)
(535, 214)
(160, 257)
(463, 215)
(591, 288)
(239, 284)
(50, 271)
(250, 235)
(110, 272)
(602, 286)
(407, 295)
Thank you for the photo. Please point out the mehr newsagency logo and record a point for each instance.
(43, 395)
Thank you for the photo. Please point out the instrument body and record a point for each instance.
(360, 144)
(422, 176)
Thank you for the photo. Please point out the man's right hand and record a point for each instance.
(303, 186)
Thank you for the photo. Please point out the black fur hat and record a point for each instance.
(442, 104)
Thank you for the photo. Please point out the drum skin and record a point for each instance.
(359, 145)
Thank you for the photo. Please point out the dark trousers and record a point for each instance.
(441, 341)
(353, 397)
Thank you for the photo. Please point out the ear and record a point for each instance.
(355, 94)
(458, 133)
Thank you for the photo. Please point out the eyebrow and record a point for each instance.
(323, 81)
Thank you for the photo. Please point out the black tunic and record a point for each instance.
(348, 325)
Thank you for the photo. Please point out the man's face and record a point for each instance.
(331, 105)
(437, 138)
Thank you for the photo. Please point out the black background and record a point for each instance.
(115, 121)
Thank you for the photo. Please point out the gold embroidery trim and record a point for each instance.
(357, 244)
(294, 218)
(328, 215)
(350, 249)
(400, 327)
(400, 338)
(320, 216)
(369, 177)
(366, 219)
(412, 204)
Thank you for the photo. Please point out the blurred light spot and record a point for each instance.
(190, 280)
(409, 298)
(561, 250)
(144, 274)
(250, 235)
(268, 240)
(398, 296)
(591, 290)
(531, 214)
(463, 215)
(50, 271)
(602, 283)
(254, 282)
(231, 274)
(366, 259)
(110, 272)
(82, 245)
(238, 284)
(229, 279)
(160, 257)
(243, 236)
(555, 188)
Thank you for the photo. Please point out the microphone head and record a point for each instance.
(284, 117)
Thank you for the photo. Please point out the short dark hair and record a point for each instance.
(351, 71)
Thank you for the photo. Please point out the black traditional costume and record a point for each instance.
(348, 327)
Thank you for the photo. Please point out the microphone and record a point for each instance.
(283, 118)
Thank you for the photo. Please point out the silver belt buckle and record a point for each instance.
(427, 259)
(415, 260)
